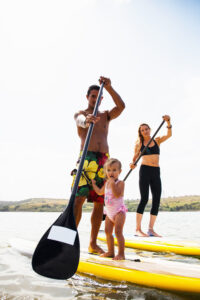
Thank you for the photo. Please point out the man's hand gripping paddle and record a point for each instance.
(58, 251)
(145, 148)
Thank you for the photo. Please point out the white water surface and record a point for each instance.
(18, 281)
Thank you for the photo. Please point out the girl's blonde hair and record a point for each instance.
(110, 162)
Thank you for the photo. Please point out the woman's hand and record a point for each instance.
(132, 166)
(166, 118)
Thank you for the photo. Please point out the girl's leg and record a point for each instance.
(109, 225)
(144, 192)
(119, 224)
(155, 185)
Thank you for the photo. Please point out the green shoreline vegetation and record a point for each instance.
(182, 203)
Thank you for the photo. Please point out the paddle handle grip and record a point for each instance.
(85, 148)
(135, 163)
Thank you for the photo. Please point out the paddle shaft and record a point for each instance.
(135, 163)
(85, 148)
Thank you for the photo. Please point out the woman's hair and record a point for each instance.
(140, 137)
(110, 162)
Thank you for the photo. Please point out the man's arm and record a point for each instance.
(83, 120)
(119, 103)
(80, 119)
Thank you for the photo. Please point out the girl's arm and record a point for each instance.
(117, 188)
(99, 191)
(163, 138)
(136, 154)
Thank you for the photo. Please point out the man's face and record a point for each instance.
(92, 98)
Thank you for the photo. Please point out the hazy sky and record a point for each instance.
(51, 51)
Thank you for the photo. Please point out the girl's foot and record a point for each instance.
(140, 233)
(107, 254)
(95, 250)
(151, 232)
(119, 257)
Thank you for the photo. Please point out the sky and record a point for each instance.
(52, 51)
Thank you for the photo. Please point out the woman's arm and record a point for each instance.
(99, 191)
(136, 154)
(163, 138)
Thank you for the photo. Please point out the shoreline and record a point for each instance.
(182, 203)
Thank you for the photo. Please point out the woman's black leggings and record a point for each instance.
(149, 176)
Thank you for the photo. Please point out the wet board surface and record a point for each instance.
(156, 266)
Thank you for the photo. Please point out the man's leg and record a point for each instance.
(78, 208)
(96, 219)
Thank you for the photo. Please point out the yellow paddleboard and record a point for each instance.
(167, 275)
(173, 276)
(149, 244)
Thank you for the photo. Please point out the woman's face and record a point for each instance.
(145, 131)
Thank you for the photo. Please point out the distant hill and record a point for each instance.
(184, 203)
(35, 204)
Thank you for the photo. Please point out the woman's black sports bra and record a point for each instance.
(150, 150)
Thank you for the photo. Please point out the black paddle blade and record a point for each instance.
(57, 253)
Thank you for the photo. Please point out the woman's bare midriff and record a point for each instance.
(151, 160)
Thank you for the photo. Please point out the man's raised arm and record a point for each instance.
(119, 103)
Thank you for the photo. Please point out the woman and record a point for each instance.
(149, 174)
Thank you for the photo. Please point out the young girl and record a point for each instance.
(149, 175)
(115, 208)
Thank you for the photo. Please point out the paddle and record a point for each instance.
(129, 172)
(58, 251)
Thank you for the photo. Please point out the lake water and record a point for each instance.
(18, 281)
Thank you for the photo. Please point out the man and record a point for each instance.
(96, 156)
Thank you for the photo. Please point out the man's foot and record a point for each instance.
(95, 250)
(151, 232)
(119, 257)
(107, 254)
(140, 233)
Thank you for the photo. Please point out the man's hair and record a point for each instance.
(92, 87)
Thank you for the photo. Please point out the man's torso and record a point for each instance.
(98, 141)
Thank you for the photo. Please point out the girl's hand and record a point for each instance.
(132, 166)
(111, 181)
(166, 118)
(93, 182)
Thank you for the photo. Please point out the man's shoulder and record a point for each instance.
(104, 112)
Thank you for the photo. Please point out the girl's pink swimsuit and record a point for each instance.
(113, 205)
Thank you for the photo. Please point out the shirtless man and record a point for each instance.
(96, 156)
